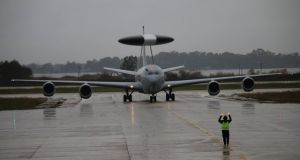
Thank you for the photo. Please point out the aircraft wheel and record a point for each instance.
(173, 97)
(167, 97)
(151, 99)
(154, 98)
(130, 98)
(124, 98)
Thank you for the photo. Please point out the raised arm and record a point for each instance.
(220, 121)
(230, 119)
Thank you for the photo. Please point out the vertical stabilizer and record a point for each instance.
(143, 52)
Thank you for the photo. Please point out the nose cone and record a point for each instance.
(153, 79)
(154, 85)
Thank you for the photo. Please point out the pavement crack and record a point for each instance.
(34, 152)
(126, 146)
(122, 131)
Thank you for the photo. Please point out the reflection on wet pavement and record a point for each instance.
(49, 113)
(104, 127)
(248, 108)
(213, 104)
(86, 110)
(226, 154)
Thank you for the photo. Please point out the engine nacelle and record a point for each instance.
(85, 91)
(213, 88)
(48, 89)
(248, 84)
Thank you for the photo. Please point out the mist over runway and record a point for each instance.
(103, 127)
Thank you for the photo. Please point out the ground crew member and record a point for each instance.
(225, 128)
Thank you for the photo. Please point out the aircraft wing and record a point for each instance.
(94, 83)
(206, 80)
(172, 68)
(120, 71)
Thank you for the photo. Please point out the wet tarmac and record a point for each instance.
(103, 127)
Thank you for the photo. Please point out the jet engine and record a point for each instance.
(85, 91)
(48, 89)
(213, 88)
(248, 84)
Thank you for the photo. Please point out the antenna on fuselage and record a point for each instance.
(151, 55)
(146, 40)
(144, 50)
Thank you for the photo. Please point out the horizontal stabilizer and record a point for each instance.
(172, 68)
(121, 71)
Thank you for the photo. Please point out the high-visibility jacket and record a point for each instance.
(225, 126)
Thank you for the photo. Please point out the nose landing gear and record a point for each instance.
(127, 96)
(170, 95)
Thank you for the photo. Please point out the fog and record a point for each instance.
(57, 31)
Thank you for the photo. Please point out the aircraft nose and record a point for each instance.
(154, 84)
(153, 79)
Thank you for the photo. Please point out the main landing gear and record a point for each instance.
(170, 95)
(128, 96)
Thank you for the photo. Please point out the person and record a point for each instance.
(225, 127)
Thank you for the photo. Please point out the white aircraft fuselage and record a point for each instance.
(151, 78)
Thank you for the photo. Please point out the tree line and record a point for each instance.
(13, 70)
(192, 61)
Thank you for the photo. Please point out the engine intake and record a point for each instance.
(213, 88)
(48, 89)
(248, 84)
(85, 91)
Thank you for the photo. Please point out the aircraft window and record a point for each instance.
(150, 73)
(146, 69)
(156, 73)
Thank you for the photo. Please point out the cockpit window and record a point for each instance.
(151, 71)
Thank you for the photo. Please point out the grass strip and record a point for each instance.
(279, 97)
(20, 103)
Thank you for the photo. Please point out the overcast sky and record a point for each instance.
(57, 31)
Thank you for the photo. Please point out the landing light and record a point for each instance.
(131, 86)
(169, 85)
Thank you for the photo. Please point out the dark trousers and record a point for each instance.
(225, 134)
